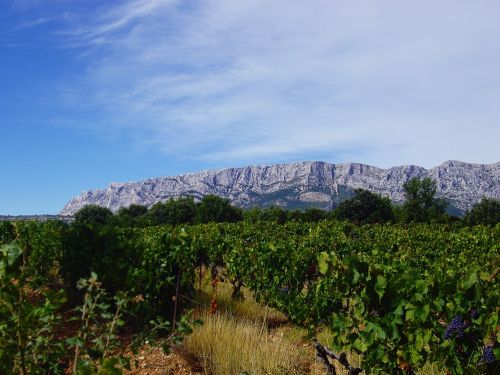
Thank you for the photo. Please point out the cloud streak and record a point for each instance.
(228, 82)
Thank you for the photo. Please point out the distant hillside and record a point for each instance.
(300, 185)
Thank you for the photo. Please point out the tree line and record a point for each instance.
(421, 205)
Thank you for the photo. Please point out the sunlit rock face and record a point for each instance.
(300, 185)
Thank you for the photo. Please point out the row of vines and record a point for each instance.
(402, 296)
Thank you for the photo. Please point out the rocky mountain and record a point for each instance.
(300, 185)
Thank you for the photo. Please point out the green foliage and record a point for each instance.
(387, 292)
(80, 247)
(27, 331)
(281, 216)
(29, 342)
(273, 214)
(7, 232)
(96, 336)
(173, 212)
(252, 215)
(421, 204)
(215, 209)
(166, 261)
(109, 251)
(42, 242)
(486, 212)
(365, 207)
(93, 215)
(314, 215)
(131, 216)
(133, 211)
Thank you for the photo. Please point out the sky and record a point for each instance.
(94, 92)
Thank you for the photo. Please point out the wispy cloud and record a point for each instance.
(229, 82)
(31, 24)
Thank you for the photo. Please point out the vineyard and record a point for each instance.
(401, 296)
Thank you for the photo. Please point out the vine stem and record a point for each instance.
(323, 353)
(200, 274)
(20, 340)
(177, 286)
(77, 348)
(19, 336)
(85, 318)
(111, 329)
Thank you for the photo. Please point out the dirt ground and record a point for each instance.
(155, 362)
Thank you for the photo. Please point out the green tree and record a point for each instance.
(486, 212)
(365, 207)
(253, 215)
(133, 215)
(182, 210)
(216, 209)
(421, 204)
(158, 214)
(173, 212)
(275, 214)
(93, 215)
(314, 215)
(294, 215)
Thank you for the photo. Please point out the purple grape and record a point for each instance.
(455, 329)
(488, 355)
(474, 314)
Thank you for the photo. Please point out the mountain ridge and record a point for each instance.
(299, 185)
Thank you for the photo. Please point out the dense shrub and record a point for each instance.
(486, 212)
(365, 207)
(215, 209)
(7, 232)
(173, 212)
(93, 215)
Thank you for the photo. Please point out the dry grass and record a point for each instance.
(238, 338)
(246, 308)
(227, 345)
(245, 336)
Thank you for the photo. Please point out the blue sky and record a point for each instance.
(94, 92)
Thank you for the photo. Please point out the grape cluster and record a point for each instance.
(488, 355)
(456, 328)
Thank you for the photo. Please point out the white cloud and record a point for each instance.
(381, 82)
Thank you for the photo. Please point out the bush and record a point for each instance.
(27, 331)
(7, 232)
(173, 212)
(486, 212)
(365, 208)
(93, 215)
(131, 216)
(109, 251)
(167, 262)
(215, 209)
(43, 243)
